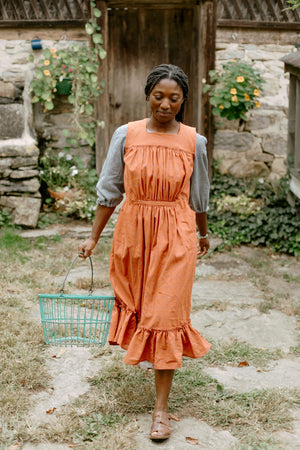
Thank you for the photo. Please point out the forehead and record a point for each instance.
(167, 85)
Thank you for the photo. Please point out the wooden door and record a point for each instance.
(139, 36)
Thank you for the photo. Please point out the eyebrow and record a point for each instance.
(161, 92)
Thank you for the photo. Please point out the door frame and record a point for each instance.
(206, 11)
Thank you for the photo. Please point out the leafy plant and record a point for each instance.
(275, 223)
(294, 4)
(235, 90)
(70, 184)
(5, 218)
(77, 65)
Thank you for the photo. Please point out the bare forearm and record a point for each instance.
(201, 220)
(103, 214)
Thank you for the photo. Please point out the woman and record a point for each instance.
(161, 165)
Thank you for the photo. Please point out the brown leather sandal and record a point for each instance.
(160, 426)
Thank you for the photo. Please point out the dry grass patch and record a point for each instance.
(234, 352)
(120, 393)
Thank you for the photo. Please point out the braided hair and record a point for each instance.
(171, 72)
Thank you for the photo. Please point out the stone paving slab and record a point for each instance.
(272, 330)
(284, 373)
(68, 367)
(290, 440)
(207, 437)
(234, 292)
(45, 447)
(220, 264)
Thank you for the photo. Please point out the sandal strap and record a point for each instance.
(161, 423)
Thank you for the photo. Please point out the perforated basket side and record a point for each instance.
(74, 319)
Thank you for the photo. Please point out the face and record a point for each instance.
(165, 100)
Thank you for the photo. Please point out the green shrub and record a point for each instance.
(270, 216)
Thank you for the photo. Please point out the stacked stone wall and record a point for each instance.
(24, 134)
(258, 147)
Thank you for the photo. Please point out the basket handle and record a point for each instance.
(92, 275)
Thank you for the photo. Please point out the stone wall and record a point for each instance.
(258, 148)
(24, 134)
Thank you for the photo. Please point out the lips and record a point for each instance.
(163, 113)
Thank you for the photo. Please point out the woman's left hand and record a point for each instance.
(203, 247)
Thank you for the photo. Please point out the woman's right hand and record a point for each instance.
(86, 248)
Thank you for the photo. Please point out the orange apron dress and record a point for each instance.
(154, 250)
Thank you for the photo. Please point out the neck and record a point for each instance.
(168, 127)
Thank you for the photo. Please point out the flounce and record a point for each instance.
(163, 348)
(122, 327)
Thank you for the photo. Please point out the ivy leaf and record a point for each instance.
(102, 53)
(97, 38)
(31, 58)
(49, 105)
(97, 12)
(89, 28)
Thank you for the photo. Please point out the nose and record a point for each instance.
(165, 104)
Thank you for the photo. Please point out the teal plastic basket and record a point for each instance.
(76, 320)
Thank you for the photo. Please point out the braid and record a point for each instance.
(173, 73)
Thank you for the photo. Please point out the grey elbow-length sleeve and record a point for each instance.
(110, 187)
(199, 183)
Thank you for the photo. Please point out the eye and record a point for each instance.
(157, 97)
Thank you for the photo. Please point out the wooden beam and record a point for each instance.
(21, 7)
(271, 8)
(53, 23)
(261, 10)
(3, 9)
(102, 108)
(66, 3)
(207, 43)
(45, 9)
(250, 10)
(297, 127)
(35, 10)
(223, 23)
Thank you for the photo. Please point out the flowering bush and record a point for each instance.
(71, 186)
(235, 90)
(77, 65)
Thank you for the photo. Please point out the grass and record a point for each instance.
(119, 393)
(234, 352)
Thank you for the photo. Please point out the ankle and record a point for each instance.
(160, 407)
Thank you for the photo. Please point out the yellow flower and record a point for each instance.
(54, 55)
(46, 62)
(257, 104)
(233, 91)
(52, 50)
(247, 98)
(234, 99)
(47, 73)
(221, 107)
(256, 92)
(233, 60)
(240, 79)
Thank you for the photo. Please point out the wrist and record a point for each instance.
(205, 236)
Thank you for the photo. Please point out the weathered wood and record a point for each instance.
(21, 7)
(75, 32)
(291, 121)
(154, 4)
(263, 25)
(102, 135)
(38, 23)
(266, 36)
(207, 51)
(297, 127)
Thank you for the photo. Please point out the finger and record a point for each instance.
(201, 252)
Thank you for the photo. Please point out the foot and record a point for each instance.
(160, 426)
